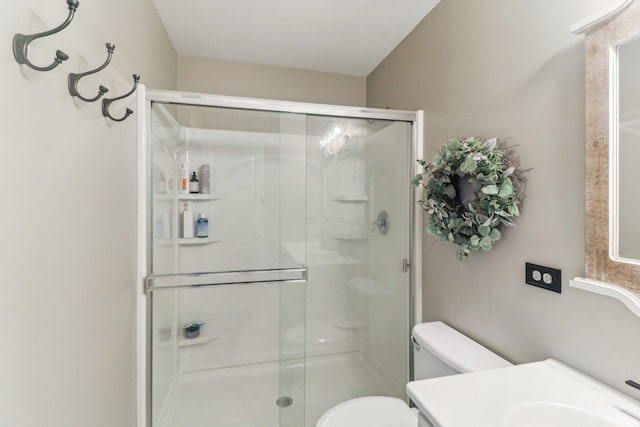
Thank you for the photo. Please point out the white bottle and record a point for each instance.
(161, 184)
(184, 179)
(170, 177)
(204, 179)
(188, 222)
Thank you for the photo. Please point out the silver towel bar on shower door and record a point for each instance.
(224, 278)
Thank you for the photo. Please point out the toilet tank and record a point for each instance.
(439, 350)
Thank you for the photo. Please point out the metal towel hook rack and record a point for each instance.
(74, 78)
(21, 42)
(106, 103)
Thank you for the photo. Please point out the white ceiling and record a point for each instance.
(340, 36)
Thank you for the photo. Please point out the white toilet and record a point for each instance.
(439, 350)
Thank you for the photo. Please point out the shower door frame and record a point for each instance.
(144, 100)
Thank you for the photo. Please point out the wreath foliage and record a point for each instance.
(472, 189)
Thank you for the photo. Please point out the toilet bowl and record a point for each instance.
(439, 350)
(370, 411)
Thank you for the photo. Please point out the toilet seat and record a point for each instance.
(370, 411)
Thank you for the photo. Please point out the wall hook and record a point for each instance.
(106, 103)
(21, 42)
(74, 78)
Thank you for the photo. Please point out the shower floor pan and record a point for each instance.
(245, 396)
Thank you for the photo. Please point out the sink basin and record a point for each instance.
(541, 394)
(546, 414)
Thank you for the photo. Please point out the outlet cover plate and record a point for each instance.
(543, 277)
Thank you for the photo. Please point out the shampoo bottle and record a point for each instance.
(204, 179)
(202, 225)
(161, 184)
(188, 222)
(171, 181)
(194, 184)
(184, 179)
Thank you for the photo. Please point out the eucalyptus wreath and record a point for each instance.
(472, 189)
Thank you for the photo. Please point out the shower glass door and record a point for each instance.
(358, 238)
(294, 294)
(226, 301)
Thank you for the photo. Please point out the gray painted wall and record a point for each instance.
(265, 81)
(68, 221)
(512, 69)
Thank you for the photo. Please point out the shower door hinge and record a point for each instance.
(406, 265)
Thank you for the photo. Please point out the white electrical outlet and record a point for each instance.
(543, 277)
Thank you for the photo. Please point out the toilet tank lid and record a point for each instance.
(455, 349)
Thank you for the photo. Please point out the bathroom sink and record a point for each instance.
(541, 394)
(555, 415)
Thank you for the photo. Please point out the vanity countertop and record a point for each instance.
(546, 393)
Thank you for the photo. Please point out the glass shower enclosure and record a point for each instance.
(275, 247)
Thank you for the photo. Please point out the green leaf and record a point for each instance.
(485, 244)
(474, 240)
(484, 230)
(469, 165)
(505, 191)
(473, 166)
(490, 144)
(450, 191)
(454, 144)
(507, 221)
(489, 220)
(416, 181)
(437, 159)
(457, 224)
(509, 171)
(495, 235)
(490, 189)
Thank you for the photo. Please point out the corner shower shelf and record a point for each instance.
(349, 237)
(350, 198)
(203, 339)
(347, 325)
(199, 197)
(213, 238)
(192, 197)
